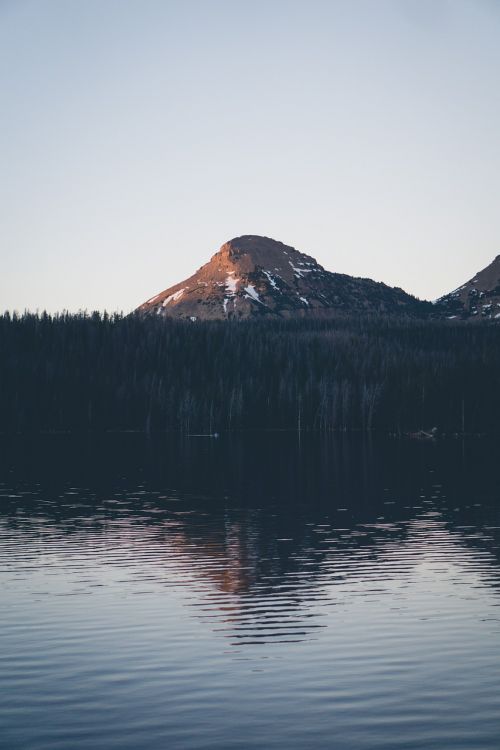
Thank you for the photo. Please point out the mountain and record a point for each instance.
(252, 276)
(478, 298)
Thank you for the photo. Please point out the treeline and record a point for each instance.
(100, 372)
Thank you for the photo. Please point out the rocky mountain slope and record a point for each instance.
(252, 276)
(478, 298)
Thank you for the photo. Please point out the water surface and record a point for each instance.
(259, 591)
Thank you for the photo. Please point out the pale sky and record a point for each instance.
(136, 136)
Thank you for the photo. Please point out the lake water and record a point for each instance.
(259, 591)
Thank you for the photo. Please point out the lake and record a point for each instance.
(253, 591)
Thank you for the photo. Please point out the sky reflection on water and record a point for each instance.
(258, 591)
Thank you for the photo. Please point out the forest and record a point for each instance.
(99, 372)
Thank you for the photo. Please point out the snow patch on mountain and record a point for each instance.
(231, 284)
(173, 297)
(272, 280)
(252, 293)
(299, 271)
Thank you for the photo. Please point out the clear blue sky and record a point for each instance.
(136, 136)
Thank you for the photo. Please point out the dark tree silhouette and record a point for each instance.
(108, 372)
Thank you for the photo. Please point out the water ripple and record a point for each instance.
(150, 613)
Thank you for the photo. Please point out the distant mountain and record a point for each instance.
(478, 298)
(258, 277)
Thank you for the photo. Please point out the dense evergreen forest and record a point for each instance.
(100, 372)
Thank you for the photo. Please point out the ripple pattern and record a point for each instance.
(142, 615)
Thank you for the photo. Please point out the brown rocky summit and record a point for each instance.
(255, 277)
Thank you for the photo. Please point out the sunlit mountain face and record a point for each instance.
(258, 277)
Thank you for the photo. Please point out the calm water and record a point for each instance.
(260, 593)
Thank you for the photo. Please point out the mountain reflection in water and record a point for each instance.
(374, 555)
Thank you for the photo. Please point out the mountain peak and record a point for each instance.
(253, 276)
(479, 297)
(251, 252)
